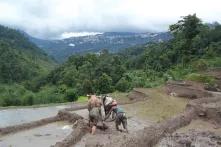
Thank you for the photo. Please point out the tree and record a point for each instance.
(87, 86)
(123, 85)
(71, 95)
(189, 27)
(104, 84)
(184, 31)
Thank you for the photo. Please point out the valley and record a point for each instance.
(114, 42)
(168, 83)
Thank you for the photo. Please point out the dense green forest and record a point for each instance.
(195, 46)
(20, 61)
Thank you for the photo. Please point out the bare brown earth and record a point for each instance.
(136, 94)
(186, 89)
(197, 133)
(101, 138)
(216, 73)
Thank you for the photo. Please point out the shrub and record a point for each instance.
(200, 78)
(215, 62)
(28, 99)
(123, 85)
(200, 65)
(12, 95)
(104, 84)
(179, 72)
(49, 94)
(71, 95)
(11, 101)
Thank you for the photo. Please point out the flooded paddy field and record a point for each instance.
(11, 117)
(43, 136)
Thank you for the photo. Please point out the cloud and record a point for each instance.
(51, 18)
(77, 34)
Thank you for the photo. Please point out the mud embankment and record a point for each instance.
(191, 138)
(66, 115)
(150, 136)
(62, 115)
(216, 73)
(80, 126)
(25, 126)
(76, 107)
(137, 95)
(208, 108)
(42, 136)
(186, 89)
(80, 129)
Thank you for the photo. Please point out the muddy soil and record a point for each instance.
(138, 118)
(103, 137)
(215, 73)
(198, 133)
(135, 123)
(186, 89)
(191, 138)
(136, 94)
(43, 136)
(201, 125)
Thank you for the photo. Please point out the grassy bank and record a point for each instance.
(158, 107)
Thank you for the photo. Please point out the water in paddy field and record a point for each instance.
(43, 136)
(9, 117)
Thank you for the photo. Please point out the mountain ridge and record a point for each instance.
(112, 41)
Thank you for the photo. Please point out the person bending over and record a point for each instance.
(121, 117)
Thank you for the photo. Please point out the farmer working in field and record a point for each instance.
(94, 108)
(120, 116)
(107, 102)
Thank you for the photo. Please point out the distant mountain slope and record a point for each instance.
(20, 59)
(113, 41)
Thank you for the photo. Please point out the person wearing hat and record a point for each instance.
(108, 102)
(121, 117)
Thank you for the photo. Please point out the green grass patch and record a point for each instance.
(200, 78)
(214, 62)
(158, 107)
(121, 97)
(82, 99)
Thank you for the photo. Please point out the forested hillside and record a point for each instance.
(195, 47)
(21, 62)
(20, 59)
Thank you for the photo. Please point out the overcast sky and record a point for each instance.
(57, 18)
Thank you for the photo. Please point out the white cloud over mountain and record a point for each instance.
(52, 18)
